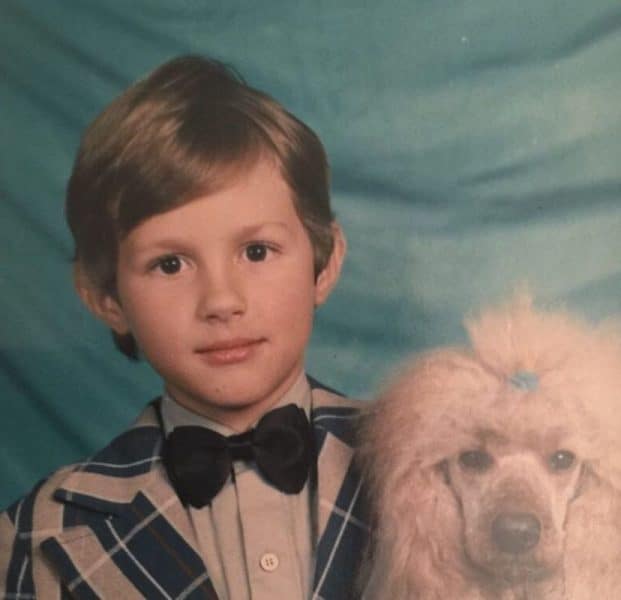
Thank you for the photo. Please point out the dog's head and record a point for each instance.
(475, 456)
(513, 495)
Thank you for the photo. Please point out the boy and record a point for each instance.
(204, 239)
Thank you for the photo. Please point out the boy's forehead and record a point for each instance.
(207, 180)
(253, 186)
(250, 199)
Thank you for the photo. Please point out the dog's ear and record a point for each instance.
(594, 499)
(592, 534)
(418, 540)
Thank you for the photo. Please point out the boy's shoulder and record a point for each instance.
(326, 397)
(332, 413)
(127, 456)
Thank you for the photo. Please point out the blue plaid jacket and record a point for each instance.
(113, 527)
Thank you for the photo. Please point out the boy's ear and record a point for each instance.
(329, 276)
(104, 306)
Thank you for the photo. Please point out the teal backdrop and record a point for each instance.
(474, 144)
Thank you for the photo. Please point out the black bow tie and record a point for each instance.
(198, 460)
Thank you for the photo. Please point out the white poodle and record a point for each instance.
(495, 469)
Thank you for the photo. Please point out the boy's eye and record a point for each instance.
(256, 252)
(169, 264)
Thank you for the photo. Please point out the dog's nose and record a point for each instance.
(516, 532)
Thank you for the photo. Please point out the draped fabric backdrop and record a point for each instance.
(473, 143)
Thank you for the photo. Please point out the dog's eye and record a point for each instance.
(476, 460)
(561, 460)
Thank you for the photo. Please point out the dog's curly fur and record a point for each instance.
(456, 444)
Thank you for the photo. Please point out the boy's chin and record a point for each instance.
(237, 404)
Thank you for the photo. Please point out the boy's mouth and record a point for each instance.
(230, 351)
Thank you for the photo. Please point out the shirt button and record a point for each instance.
(269, 562)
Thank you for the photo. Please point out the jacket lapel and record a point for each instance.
(124, 532)
(341, 511)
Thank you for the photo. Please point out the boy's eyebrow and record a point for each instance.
(250, 230)
(166, 243)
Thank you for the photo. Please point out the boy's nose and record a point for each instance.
(221, 296)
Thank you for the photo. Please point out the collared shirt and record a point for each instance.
(256, 541)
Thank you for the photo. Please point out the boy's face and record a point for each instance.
(220, 294)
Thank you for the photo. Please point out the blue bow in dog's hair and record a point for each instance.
(524, 380)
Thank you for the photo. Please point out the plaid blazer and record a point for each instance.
(113, 527)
